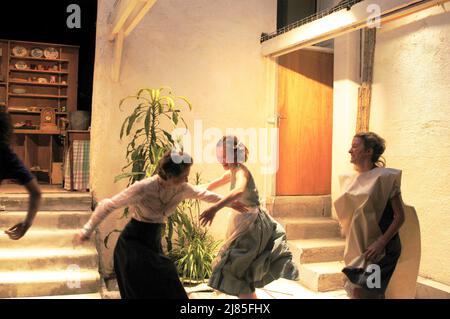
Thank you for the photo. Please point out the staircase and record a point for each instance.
(314, 239)
(44, 263)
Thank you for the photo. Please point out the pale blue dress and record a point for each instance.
(255, 252)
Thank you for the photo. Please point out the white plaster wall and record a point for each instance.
(410, 109)
(345, 104)
(205, 50)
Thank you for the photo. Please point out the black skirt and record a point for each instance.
(142, 269)
(387, 264)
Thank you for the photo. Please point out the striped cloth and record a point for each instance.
(80, 166)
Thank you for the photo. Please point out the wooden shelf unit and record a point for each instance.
(37, 83)
(38, 96)
(39, 149)
(28, 58)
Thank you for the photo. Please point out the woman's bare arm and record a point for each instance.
(224, 179)
(399, 217)
(241, 182)
(18, 231)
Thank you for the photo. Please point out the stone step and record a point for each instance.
(50, 219)
(299, 206)
(322, 277)
(317, 250)
(48, 259)
(45, 283)
(310, 227)
(43, 238)
(50, 202)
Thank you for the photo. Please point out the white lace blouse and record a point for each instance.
(148, 202)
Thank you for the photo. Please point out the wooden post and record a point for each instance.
(365, 90)
(118, 49)
(129, 18)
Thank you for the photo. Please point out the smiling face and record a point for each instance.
(358, 152)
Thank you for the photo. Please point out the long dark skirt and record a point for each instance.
(387, 264)
(142, 269)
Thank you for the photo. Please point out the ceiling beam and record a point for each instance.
(129, 18)
(135, 21)
(123, 18)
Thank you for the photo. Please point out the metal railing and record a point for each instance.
(347, 4)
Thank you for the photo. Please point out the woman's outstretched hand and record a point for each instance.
(79, 239)
(17, 231)
(207, 216)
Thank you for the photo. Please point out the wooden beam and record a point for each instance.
(130, 27)
(123, 18)
(118, 49)
(365, 90)
(342, 22)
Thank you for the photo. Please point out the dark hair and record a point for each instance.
(5, 127)
(377, 144)
(173, 164)
(233, 148)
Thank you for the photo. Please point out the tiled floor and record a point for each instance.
(279, 289)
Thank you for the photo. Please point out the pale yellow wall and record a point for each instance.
(410, 109)
(345, 104)
(205, 50)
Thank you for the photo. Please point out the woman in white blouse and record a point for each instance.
(142, 270)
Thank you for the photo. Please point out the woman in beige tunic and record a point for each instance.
(370, 211)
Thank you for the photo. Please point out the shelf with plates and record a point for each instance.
(38, 59)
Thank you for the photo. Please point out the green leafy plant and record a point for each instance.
(195, 249)
(149, 141)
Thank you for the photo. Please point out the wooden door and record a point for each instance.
(305, 108)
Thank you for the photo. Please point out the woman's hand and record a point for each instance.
(17, 231)
(374, 250)
(208, 215)
(79, 239)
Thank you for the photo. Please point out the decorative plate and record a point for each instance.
(19, 51)
(37, 53)
(21, 65)
(19, 91)
(51, 53)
